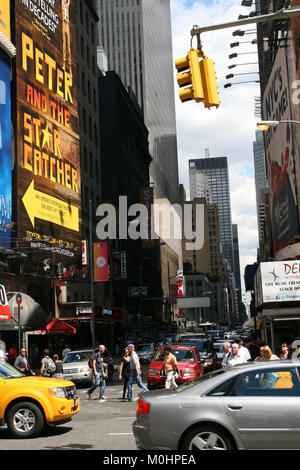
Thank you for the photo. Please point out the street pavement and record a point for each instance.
(98, 425)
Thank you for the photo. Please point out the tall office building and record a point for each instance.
(237, 274)
(136, 37)
(215, 170)
(260, 179)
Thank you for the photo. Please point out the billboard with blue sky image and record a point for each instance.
(5, 154)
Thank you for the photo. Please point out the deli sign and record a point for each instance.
(278, 281)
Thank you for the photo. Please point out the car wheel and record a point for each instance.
(25, 420)
(206, 438)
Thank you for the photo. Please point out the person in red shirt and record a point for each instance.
(12, 354)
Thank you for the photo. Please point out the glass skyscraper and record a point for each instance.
(136, 37)
(260, 179)
(215, 170)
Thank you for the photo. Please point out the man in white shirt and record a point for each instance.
(135, 372)
(237, 357)
(227, 353)
(243, 351)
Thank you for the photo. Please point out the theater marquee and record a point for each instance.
(48, 157)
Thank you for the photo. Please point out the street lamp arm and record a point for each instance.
(265, 125)
(278, 15)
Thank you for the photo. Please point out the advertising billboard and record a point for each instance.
(278, 281)
(5, 154)
(293, 61)
(280, 151)
(100, 262)
(5, 18)
(48, 155)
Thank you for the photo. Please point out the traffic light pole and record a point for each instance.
(92, 277)
(279, 15)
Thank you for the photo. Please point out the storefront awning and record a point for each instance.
(59, 327)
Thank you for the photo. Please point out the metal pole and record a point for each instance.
(141, 278)
(281, 14)
(92, 278)
(19, 329)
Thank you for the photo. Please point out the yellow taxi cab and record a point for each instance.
(28, 403)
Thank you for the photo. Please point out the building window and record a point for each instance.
(90, 128)
(83, 83)
(82, 47)
(89, 92)
(85, 158)
(81, 12)
(87, 26)
(88, 59)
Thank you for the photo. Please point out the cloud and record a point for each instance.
(230, 129)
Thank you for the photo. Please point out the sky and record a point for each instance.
(230, 129)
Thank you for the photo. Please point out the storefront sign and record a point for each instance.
(4, 308)
(278, 281)
(84, 254)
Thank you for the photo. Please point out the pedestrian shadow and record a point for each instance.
(70, 447)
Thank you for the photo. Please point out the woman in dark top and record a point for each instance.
(125, 370)
(58, 374)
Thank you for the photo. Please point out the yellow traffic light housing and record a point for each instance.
(197, 80)
(209, 81)
(190, 78)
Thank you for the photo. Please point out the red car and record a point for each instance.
(189, 365)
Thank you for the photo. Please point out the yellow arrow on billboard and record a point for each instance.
(42, 206)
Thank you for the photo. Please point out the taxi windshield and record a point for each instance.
(9, 372)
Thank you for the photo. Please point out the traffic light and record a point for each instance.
(116, 267)
(190, 77)
(197, 79)
(209, 80)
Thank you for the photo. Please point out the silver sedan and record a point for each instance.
(250, 406)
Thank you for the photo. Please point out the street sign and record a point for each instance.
(18, 299)
(138, 291)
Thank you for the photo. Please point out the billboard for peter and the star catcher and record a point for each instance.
(48, 156)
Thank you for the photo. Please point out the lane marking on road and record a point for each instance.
(126, 417)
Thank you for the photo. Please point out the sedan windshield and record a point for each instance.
(77, 357)
(201, 379)
(144, 347)
(185, 355)
(219, 347)
(200, 344)
(9, 372)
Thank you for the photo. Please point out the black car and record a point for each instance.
(206, 350)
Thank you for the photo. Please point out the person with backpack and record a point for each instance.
(58, 374)
(99, 373)
(48, 367)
